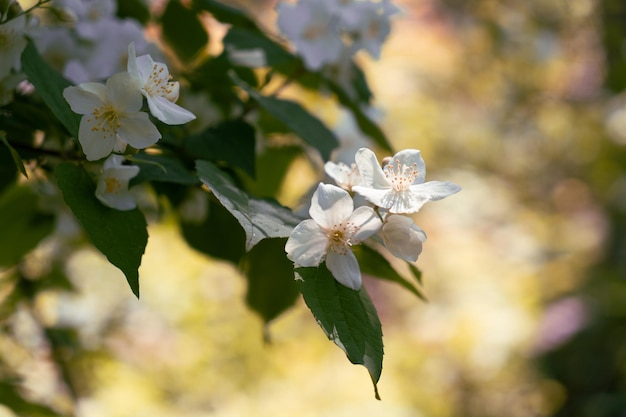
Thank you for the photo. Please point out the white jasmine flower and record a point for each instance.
(368, 23)
(313, 27)
(402, 237)
(12, 43)
(345, 176)
(153, 79)
(112, 189)
(335, 226)
(111, 112)
(399, 187)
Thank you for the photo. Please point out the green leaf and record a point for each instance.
(245, 39)
(219, 235)
(373, 263)
(10, 397)
(297, 119)
(260, 218)
(271, 287)
(347, 317)
(183, 31)
(232, 141)
(120, 235)
(225, 13)
(50, 85)
(17, 160)
(162, 168)
(21, 223)
(272, 166)
(8, 173)
(134, 9)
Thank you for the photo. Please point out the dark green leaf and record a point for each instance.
(120, 235)
(271, 287)
(232, 141)
(50, 85)
(347, 317)
(10, 397)
(244, 39)
(21, 223)
(260, 218)
(300, 121)
(225, 13)
(376, 265)
(183, 31)
(134, 9)
(8, 173)
(162, 168)
(219, 235)
(17, 160)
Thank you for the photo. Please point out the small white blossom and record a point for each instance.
(346, 176)
(399, 187)
(402, 237)
(153, 79)
(12, 43)
(112, 189)
(335, 226)
(111, 116)
(368, 23)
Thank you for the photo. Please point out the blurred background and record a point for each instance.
(520, 103)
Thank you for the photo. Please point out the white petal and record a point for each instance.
(95, 143)
(307, 244)
(435, 190)
(409, 157)
(113, 161)
(402, 237)
(145, 65)
(330, 205)
(123, 94)
(345, 269)
(131, 66)
(85, 98)
(371, 173)
(168, 112)
(138, 131)
(378, 197)
(368, 222)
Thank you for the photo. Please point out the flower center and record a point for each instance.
(106, 120)
(113, 185)
(314, 31)
(158, 83)
(399, 175)
(340, 237)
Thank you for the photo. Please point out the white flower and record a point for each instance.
(153, 79)
(335, 226)
(110, 112)
(313, 27)
(112, 189)
(12, 43)
(402, 237)
(345, 176)
(399, 187)
(368, 23)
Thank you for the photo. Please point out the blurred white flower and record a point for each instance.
(12, 43)
(402, 237)
(335, 226)
(399, 187)
(368, 23)
(153, 80)
(110, 112)
(345, 176)
(112, 189)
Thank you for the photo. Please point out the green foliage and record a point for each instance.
(134, 9)
(163, 168)
(183, 31)
(22, 223)
(10, 396)
(17, 159)
(348, 318)
(120, 235)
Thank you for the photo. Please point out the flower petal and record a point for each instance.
(435, 190)
(402, 237)
(378, 197)
(371, 173)
(95, 143)
(367, 222)
(168, 112)
(345, 269)
(123, 94)
(330, 205)
(138, 131)
(409, 157)
(307, 244)
(86, 97)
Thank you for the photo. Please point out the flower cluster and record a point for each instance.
(390, 193)
(328, 31)
(113, 118)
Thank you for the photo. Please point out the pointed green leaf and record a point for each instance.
(183, 31)
(17, 160)
(271, 287)
(162, 168)
(297, 119)
(245, 39)
(21, 223)
(373, 263)
(120, 235)
(347, 317)
(50, 85)
(260, 218)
